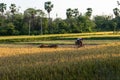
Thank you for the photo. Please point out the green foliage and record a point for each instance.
(9, 29)
(106, 23)
(35, 22)
(86, 24)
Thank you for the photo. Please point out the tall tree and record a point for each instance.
(89, 12)
(69, 13)
(29, 15)
(76, 12)
(72, 13)
(41, 14)
(116, 12)
(2, 8)
(13, 10)
(48, 6)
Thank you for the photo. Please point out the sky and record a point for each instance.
(100, 7)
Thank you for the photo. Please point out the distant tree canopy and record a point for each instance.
(34, 21)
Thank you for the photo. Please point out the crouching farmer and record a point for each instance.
(79, 42)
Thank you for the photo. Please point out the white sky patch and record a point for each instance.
(99, 6)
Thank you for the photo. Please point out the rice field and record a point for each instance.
(97, 60)
(88, 36)
(100, 62)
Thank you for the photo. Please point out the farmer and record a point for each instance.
(79, 42)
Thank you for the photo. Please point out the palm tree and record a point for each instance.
(12, 9)
(48, 6)
(76, 12)
(89, 12)
(116, 12)
(69, 13)
(2, 8)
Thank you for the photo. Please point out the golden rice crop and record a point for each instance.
(10, 51)
(85, 63)
(61, 35)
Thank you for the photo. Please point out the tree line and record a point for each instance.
(34, 21)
